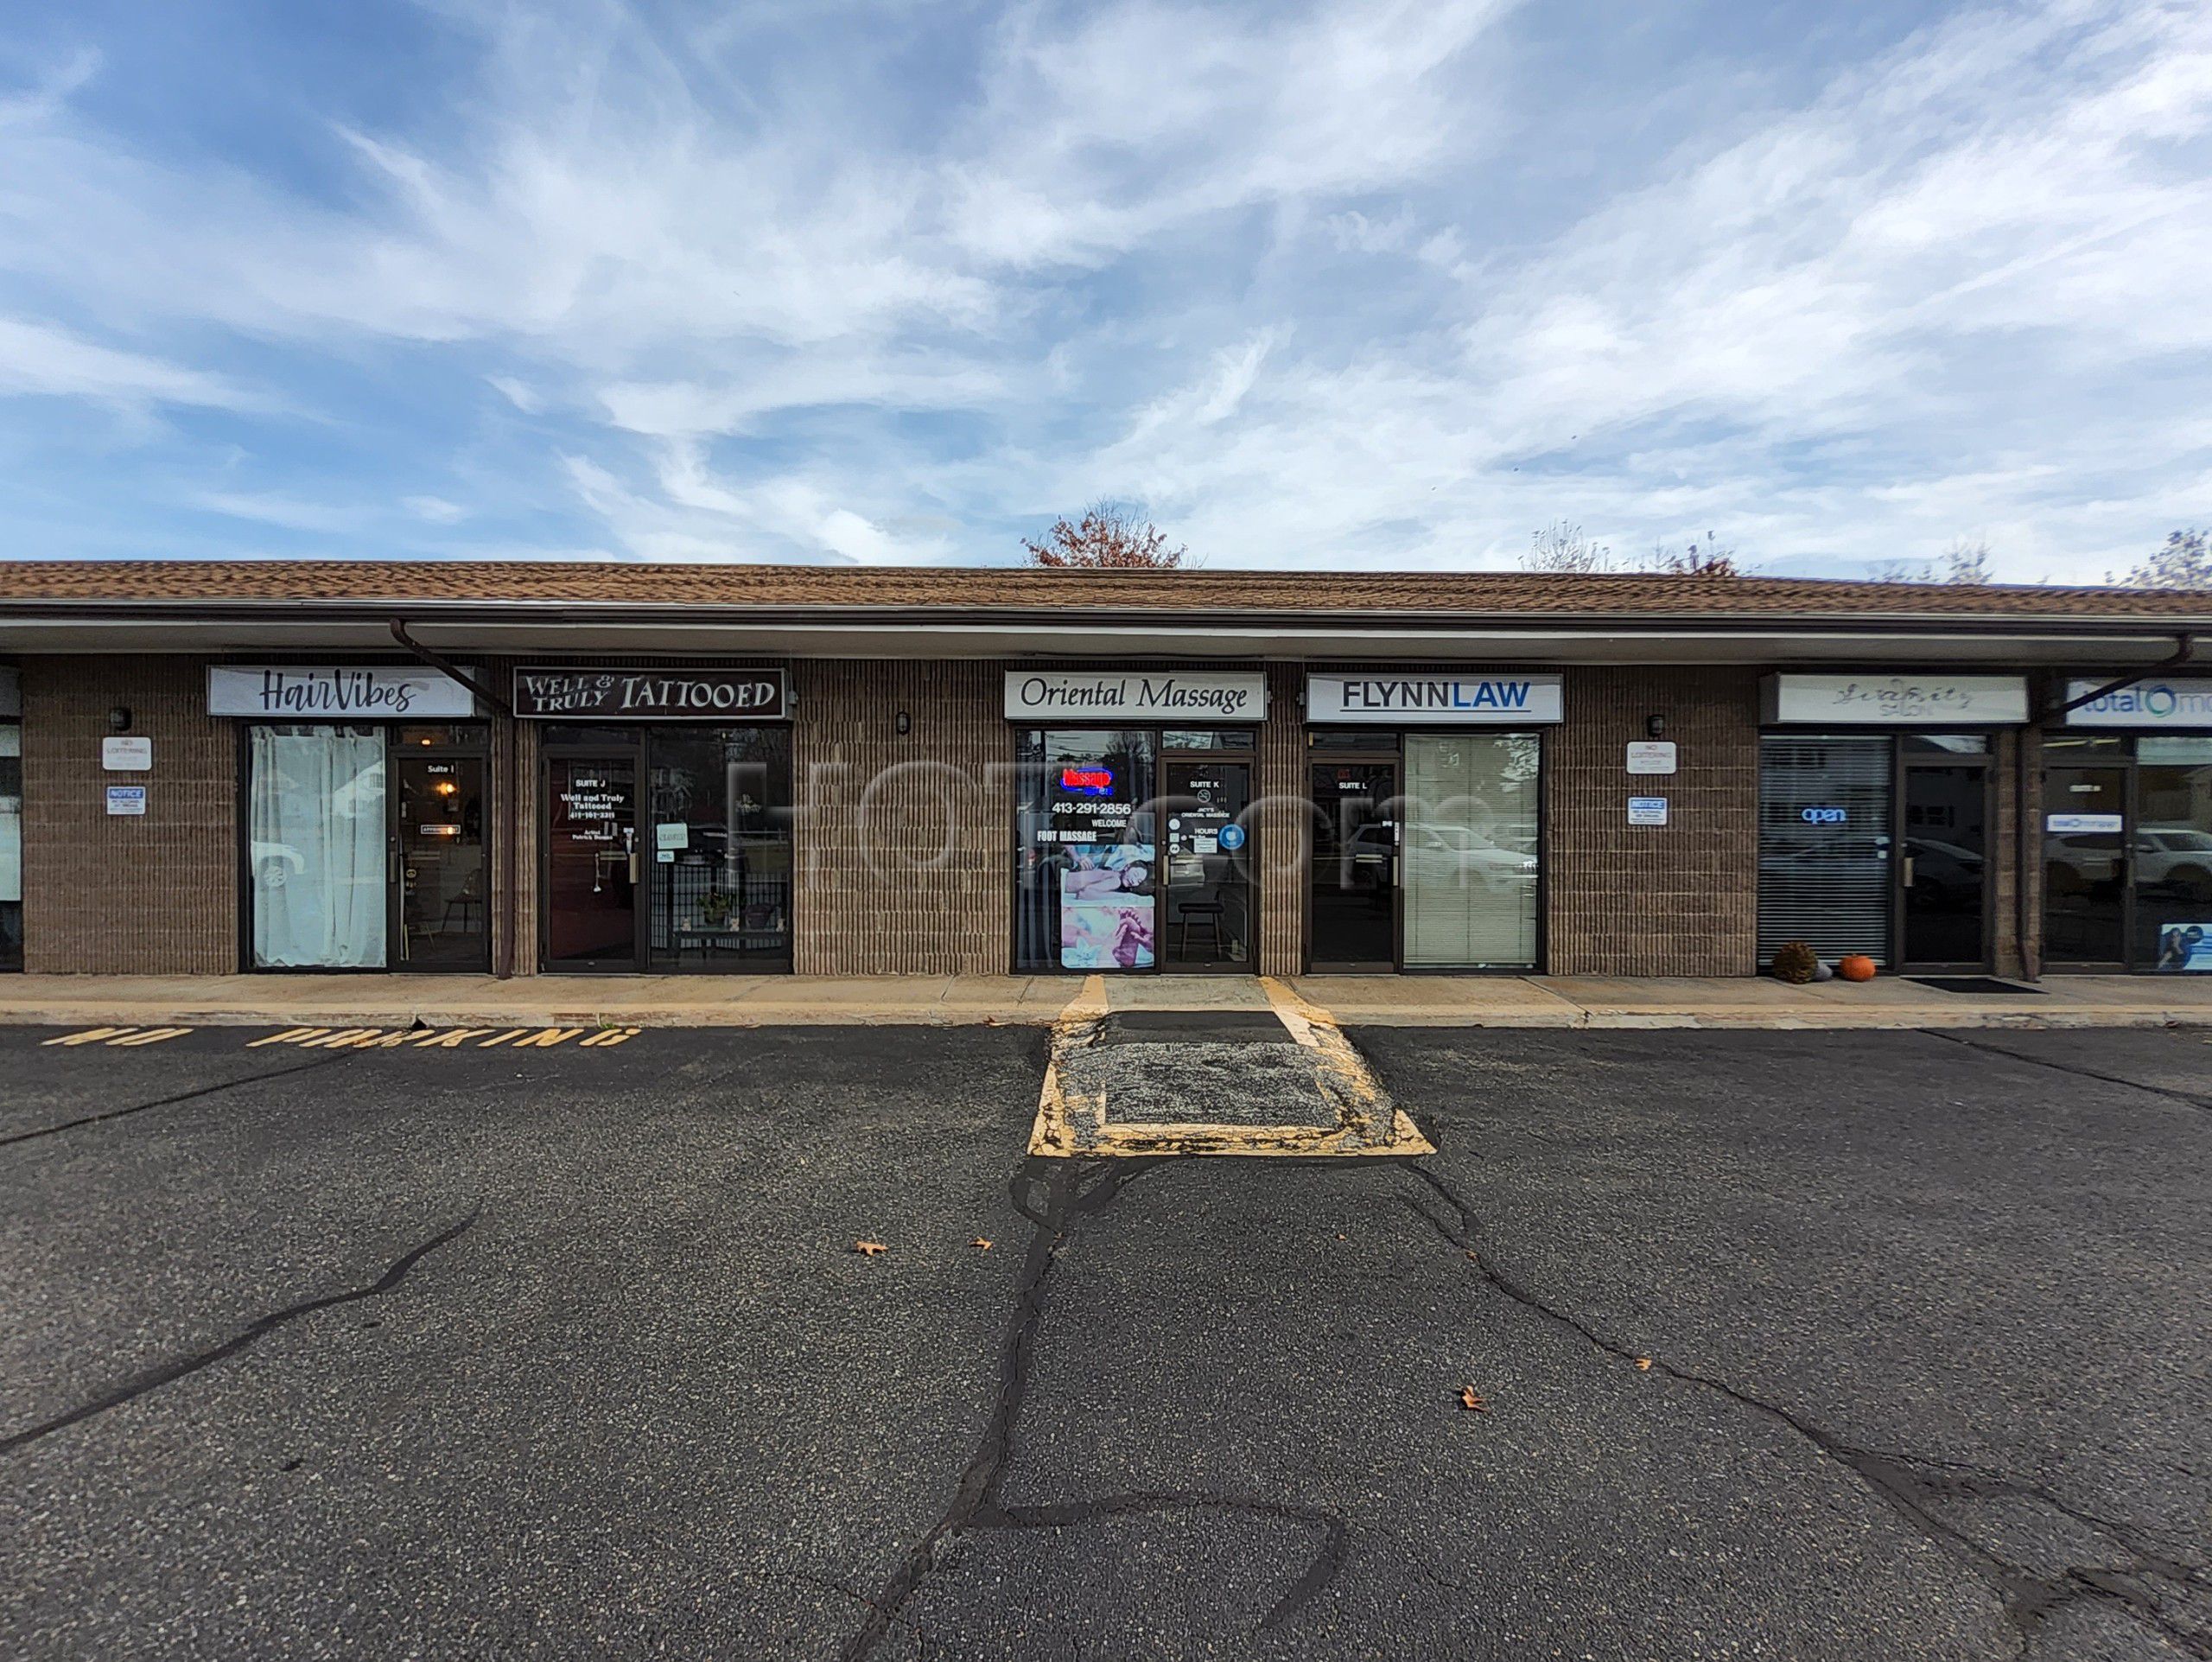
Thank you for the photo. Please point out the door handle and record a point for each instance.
(1907, 871)
(633, 868)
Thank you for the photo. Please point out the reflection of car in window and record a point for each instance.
(1944, 872)
(273, 862)
(2175, 858)
(1439, 855)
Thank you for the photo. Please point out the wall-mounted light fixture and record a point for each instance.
(905, 724)
(119, 719)
(1655, 727)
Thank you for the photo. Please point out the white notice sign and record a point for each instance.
(1647, 810)
(1651, 756)
(126, 799)
(127, 755)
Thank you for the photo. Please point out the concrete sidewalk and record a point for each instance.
(392, 1001)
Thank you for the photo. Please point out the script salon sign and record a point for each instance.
(656, 694)
(363, 691)
(1136, 695)
(1470, 698)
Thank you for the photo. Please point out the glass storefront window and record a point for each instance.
(1207, 738)
(1470, 831)
(316, 823)
(1085, 854)
(1824, 844)
(11, 846)
(1949, 744)
(717, 863)
(2173, 851)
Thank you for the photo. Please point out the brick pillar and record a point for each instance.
(1284, 831)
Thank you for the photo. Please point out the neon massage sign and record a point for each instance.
(1087, 781)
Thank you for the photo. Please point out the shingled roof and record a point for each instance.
(44, 584)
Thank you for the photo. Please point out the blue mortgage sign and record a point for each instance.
(1823, 816)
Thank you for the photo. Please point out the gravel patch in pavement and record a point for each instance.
(1209, 1084)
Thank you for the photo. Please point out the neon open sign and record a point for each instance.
(1087, 781)
(1823, 816)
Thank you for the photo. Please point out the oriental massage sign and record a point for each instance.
(656, 693)
(1087, 697)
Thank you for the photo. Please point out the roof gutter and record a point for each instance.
(484, 694)
(2184, 644)
(447, 613)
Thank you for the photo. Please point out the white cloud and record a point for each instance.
(42, 360)
(1310, 280)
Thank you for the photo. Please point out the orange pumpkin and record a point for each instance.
(1855, 966)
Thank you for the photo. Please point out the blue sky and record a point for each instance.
(1366, 286)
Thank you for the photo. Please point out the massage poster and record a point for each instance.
(1106, 879)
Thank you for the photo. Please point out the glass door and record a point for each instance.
(444, 910)
(1353, 907)
(592, 864)
(2085, 865)
(1206, 920)
(1945, 870)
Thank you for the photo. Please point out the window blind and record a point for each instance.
(1824, 845)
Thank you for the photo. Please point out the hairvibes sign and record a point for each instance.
(368, 692)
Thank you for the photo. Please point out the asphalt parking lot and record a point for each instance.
(459, 1351)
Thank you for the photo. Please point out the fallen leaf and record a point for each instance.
(1468, 1400)
(1643, 1364)
(869, 1249)
(979, 1245)
(1474, 1258)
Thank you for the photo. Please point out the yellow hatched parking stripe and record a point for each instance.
(118, 1036)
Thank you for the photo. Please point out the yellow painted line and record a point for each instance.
(343, 1039)
(397, 1037)
(609, 1036)
(545, 1038)
(288, 1036)
(152, 1037)
(1060, 1118)
(89, 1036)
(450, 1038)
(511, 1033)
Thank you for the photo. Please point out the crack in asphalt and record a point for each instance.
(1903, 1481)
(1070, 1192)
(2203, 1104)
(170, 1372)
(170, 1101)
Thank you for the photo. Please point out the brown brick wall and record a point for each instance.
(905, 845)
(1679, 899)
(1284, 828)
(125, 894)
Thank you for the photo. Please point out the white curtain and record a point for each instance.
(316, 826)
(1469, 853)
(11, 813)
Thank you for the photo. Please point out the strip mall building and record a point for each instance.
(524, 769)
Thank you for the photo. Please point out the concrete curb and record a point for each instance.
(1567, 1020)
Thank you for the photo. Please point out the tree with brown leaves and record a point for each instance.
(1108, 536)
